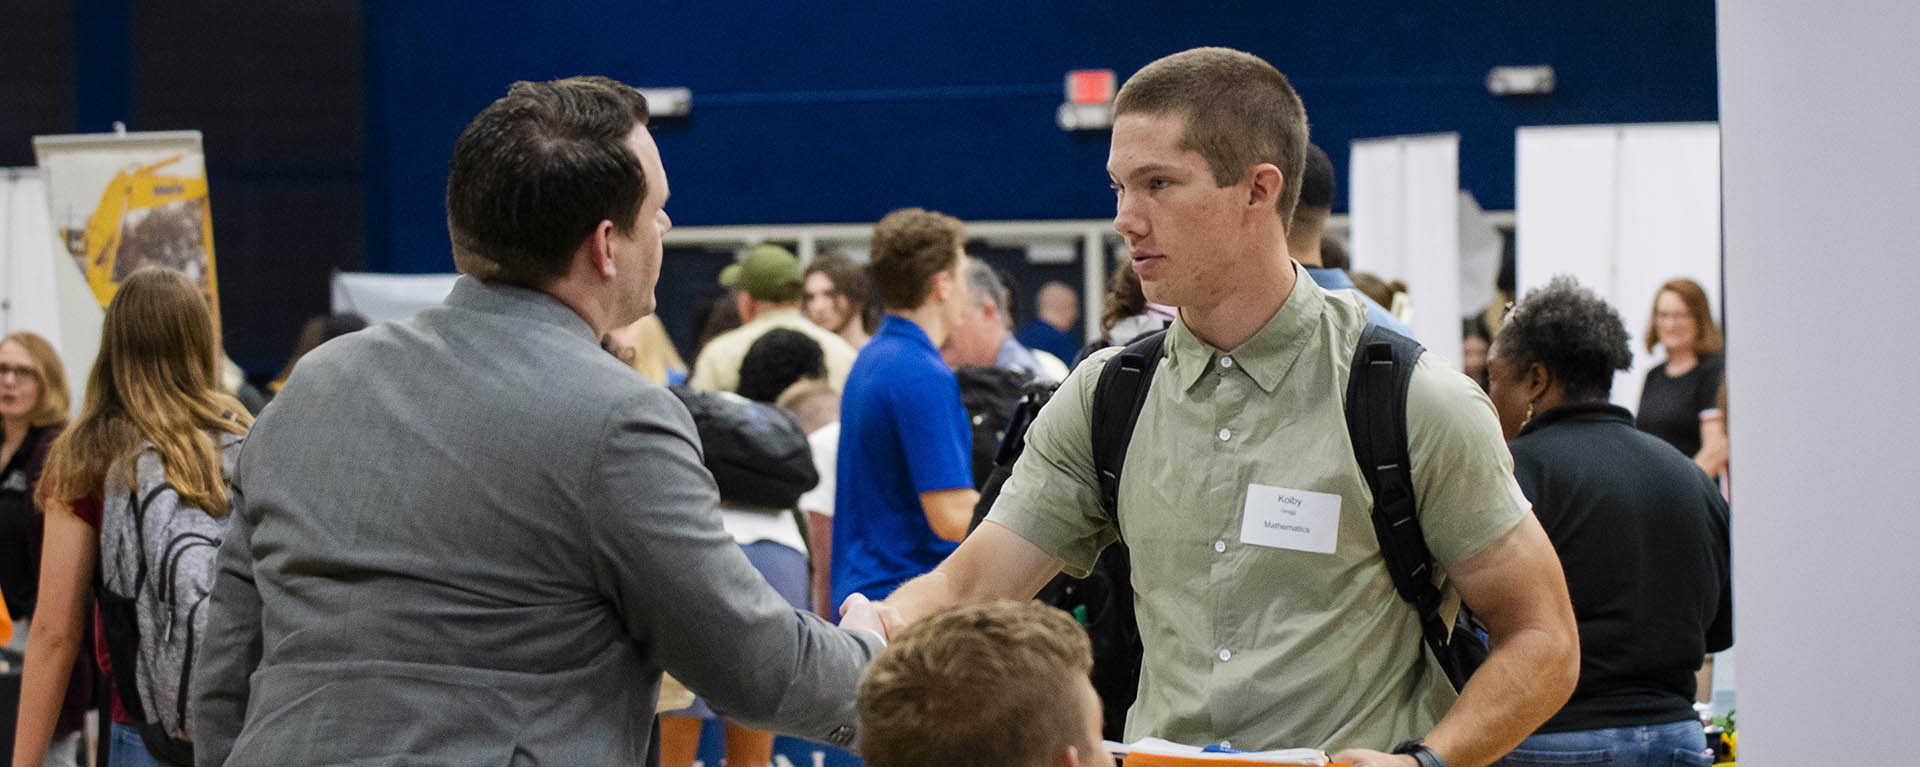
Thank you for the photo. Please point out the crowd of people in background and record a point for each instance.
(487, 530)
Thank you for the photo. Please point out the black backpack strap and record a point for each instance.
(1117, 399)
(1383, 364)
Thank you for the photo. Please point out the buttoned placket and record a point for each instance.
(1227, 398)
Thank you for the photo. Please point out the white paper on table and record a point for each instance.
(1170, 748)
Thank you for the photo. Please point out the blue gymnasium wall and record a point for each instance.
(839, 112)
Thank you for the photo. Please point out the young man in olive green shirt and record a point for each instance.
(1268, 616)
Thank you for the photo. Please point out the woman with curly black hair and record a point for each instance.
(1641, 534)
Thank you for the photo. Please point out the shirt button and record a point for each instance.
(1225, 435)
(1226, 655)
(1219, 547)
(1226, 362)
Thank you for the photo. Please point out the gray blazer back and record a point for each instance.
(475, 538)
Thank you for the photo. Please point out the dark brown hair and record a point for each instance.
(1125, 298)
(1240, 112)
(1706, 334)
(850, 281)
(909, 247)
(537, 170)
(987, 684)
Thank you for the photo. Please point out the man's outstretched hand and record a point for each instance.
(861, 613)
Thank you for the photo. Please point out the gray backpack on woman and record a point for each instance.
(156, 571)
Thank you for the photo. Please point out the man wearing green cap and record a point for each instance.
(768, 286)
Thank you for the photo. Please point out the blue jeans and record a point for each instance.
(1680, 744)
(126, 749)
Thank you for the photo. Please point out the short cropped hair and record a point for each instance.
(537, 170)
(909, 247)
(1240, 112)
(776, 360)
(1706, 333)
(1573, 333)
(985, 684)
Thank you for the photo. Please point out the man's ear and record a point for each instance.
(941, 284)
(1267, 184)
(1068, 758)
(743, 303)
(600, 249)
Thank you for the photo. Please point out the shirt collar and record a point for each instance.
(493, 298)
(905, 329)
(1268, 355)
(1330, 279)
(1584, 412)
(778, 314)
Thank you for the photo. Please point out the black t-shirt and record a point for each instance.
(1670, 406)
(1642, 534)
(19, 583)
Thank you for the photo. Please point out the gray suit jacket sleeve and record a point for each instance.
(230, 647)
(687, 592)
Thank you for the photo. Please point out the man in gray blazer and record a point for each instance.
(474, 537)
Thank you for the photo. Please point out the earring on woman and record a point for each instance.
(1529, 416)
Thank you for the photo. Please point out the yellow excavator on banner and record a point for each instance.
(104, 249)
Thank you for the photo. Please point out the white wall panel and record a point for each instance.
(1404, 203)
(1621, 208)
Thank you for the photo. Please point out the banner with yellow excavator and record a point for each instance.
(121, 201)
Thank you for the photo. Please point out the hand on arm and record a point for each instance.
(70, 553)
(1516, 587)
(949, 511)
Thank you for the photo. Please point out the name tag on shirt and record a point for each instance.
(1284, 518)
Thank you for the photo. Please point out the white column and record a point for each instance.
(1821, 166)
(1404, 197)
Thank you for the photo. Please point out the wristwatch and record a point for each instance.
(1427, 757)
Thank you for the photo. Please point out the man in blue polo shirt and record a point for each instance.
(905, 483)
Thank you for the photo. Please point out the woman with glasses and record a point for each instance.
(33, 410)
(33, 407)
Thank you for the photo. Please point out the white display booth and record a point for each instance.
(38, 292)
(1404, 215)
(1623, 209)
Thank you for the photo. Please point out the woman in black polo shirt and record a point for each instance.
(1641, 534)
(1683, 387)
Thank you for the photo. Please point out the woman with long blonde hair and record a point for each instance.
(154, 400)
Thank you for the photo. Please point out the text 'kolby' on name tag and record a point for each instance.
(1284, 518)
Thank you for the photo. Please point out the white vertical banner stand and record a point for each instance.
(1623, 209)
(43, 293)
(1404, 210)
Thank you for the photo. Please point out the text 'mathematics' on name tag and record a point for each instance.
(1284, 518)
